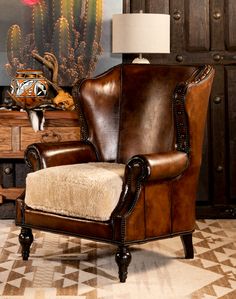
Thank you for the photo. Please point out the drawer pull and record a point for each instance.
(50, 137)
(8, 170)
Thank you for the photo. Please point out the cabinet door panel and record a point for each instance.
(203, 184)
(157, 6)
(137, 5)
(230, 25)
(217, 110)
(217, 22)
(197, 25)
(231, 113)
(177, 25)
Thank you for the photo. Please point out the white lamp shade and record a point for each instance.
(141, 33)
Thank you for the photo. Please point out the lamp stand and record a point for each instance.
(141, 59)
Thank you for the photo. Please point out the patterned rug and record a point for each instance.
(62, 267)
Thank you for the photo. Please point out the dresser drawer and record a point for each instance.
(51, 134)
(5, 138)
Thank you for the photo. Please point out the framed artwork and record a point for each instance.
(75, 35)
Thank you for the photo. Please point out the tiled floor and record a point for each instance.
(64, 267)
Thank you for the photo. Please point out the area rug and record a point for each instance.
(62, 267)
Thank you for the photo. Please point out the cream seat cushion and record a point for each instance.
(89, 190)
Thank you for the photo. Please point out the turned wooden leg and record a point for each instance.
(123, 259)
(187, 241)
(25, 238)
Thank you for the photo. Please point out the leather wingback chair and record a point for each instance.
(148, 118)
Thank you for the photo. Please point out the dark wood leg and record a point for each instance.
(123, 259)
(26, 239)
(187, 241)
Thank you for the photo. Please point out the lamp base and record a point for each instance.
(141, 60)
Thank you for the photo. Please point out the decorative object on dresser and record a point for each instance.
(29, 91)
(63, 99)
(132, 178)
(29, 88)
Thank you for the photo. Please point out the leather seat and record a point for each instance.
(148, 118)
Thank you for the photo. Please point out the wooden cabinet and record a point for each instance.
(16, 133)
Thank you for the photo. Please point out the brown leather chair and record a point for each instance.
(146, 120)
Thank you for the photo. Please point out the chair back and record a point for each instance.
(128, 110)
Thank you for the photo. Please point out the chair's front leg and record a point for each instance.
(26, 239)
(187, 241)
(123, 259)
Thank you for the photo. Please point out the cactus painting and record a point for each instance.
(69, 29)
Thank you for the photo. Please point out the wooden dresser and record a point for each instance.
(16, 133)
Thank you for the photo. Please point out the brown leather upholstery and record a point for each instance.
(151, 118)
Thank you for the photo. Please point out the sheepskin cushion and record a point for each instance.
(90, 190)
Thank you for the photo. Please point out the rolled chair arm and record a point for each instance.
(141, 169)
(160, 166)
(42, 155)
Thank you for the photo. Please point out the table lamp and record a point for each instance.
(141, 33)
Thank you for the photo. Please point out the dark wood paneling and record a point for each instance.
(204, 182)
(217, 20)
(217, 139)
(177, 26)
(230, 6)
(216, 211)
(231, 130)
(126, 6)
(157, 6)
(137, 5)
(197, 25)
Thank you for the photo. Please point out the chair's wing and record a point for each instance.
(128, 110)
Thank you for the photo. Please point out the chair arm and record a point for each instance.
(43, 155)
(160, 166)
(141, 169)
